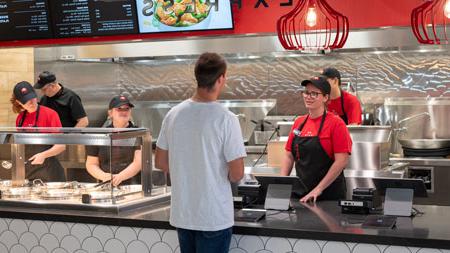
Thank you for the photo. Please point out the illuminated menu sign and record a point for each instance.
(183, 15)
(75, 18)
(24, 19)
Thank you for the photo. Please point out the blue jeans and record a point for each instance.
(193, 241)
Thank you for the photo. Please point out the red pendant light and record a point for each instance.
(429, 21)
(311, 26)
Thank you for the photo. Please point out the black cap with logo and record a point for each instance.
(24, 92)
(118, 101)
(45, 78)
(332, 73)
(320, 82)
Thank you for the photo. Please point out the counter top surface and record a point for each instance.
(321, 222)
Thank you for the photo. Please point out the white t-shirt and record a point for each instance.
(201, 138)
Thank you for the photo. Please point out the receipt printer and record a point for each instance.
(364, 201)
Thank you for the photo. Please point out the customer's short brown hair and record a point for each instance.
(209, 67)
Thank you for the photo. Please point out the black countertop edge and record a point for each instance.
(239, 228)
(112, 221)
(343, 237)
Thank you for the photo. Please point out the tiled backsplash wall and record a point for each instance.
(375, 76)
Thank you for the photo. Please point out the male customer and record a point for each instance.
(342, 103)
(201, 145)
(61, 99)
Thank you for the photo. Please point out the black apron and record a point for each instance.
(121, 158)
(344, 116)
(312, 164)
(51, 170)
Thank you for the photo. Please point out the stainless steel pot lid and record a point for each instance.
(425, 143)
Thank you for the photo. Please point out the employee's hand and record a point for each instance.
(117, 179)
(37, 159)
(311, 196)
(105, 177)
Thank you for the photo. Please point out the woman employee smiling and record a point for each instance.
(319, 144)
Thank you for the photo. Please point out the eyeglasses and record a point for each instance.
(311, 94)
(123, 109)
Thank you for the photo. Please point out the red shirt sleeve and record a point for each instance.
(53, 119)
(352, 107)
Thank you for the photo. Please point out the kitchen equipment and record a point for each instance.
(428, 152)
(102, 196)
(101, 184)
(370, 149)
(364, 201)
(13, 183)
(150, 114)
(38, 183)
(24, 192)
(418, 118)
(370, 133)
(60, 194)
(425, 143)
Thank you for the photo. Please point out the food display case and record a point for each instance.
(18, 190)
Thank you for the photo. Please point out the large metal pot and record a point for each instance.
(425, 143)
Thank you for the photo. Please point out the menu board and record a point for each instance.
(183, 15)
(20, 20)
(75, 18)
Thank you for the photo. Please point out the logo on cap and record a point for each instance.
(315, 78)
(24, 90)
(123, 98)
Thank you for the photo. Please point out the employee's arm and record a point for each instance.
(341, 160)
(162, 159)
(287, 163)
(236, 170)
(93, 168)
(55, 150)
(131, 170)
(82, 122)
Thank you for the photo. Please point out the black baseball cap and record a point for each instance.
(45, 78)
(118, 101)
(320, 82)
(24, 92)
(332, 73)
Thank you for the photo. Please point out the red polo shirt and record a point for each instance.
(334, 136)
(47, 118)
(352, 107)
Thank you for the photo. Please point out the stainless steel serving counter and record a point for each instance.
(21, 192)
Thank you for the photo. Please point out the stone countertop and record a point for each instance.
(321, 222)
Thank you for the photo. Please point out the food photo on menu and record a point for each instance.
(183, 15)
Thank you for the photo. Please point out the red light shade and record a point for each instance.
(429, 21)
(312, 25)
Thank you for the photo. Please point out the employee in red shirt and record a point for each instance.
(42, 162)
(342, 103)
(319, 144)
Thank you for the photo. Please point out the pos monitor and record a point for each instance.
(399, 194)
